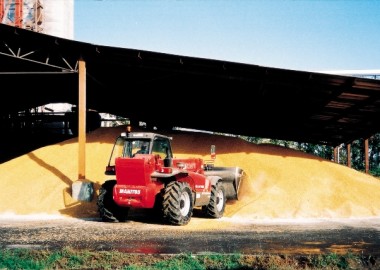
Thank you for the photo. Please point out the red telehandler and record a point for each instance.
(148, 176)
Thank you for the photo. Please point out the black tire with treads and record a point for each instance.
(217, 204)
(177, 203)
(108, 210)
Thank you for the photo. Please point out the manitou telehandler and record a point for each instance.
(148, 176)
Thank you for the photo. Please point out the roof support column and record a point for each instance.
(336, 154)
(82, 189)
(366, 155)
(82, 121)
(348, 149)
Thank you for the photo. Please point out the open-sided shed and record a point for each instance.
(178, 91)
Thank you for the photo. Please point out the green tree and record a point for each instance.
(357, 154)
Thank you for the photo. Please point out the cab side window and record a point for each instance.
(161, 147)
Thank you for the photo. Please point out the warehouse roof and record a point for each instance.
(168, 90)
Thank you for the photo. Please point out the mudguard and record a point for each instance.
(231, 179)
(167, 175)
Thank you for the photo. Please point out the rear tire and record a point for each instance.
(108, 210)
(217, 204)
(177, 203)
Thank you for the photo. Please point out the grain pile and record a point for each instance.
(278, 183)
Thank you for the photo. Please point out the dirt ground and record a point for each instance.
(260, 245)
(279, 183)
(143, 234)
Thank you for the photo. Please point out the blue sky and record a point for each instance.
(300, 35)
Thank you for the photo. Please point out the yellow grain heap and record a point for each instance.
(279, 182)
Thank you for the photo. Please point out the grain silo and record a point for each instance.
(52, 17)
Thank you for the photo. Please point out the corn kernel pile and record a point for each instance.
(278, 182)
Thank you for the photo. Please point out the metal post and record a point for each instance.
(336, 157)
(366, 154)
(82, 189)
(348, 147)
(82, 121)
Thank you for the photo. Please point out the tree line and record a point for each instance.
(327, 152)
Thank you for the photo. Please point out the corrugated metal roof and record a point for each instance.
(172, 90)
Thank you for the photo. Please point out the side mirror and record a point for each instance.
(213, 152)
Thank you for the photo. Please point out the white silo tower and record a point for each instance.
(52, 17)
(59, 18)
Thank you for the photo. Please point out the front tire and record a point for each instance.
(108, 210)
(177, 203)
(217, 204)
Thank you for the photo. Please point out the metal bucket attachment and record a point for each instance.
(231, 178)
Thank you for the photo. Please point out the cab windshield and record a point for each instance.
(128, 148)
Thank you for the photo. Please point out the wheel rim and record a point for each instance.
(185, 204)
(219, 200)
